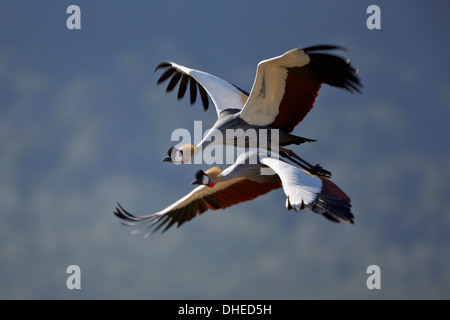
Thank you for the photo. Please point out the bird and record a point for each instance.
(253, 174)
(283, 92)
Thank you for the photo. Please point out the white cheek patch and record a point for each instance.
(178, 157)
(205, 180)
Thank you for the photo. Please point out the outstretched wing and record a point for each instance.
(308, 192)
(223, 94)
(286, 86)
(222, 195)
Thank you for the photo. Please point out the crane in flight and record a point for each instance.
(283, 92)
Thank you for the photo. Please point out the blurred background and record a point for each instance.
(83, 125)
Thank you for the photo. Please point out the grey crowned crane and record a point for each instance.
(283, 93)
(244, 181)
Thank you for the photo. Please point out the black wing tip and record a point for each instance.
(130, 220)
(175, 75)
(335, 209)
(203, 96)
(324, 47)
(163, 65)
(174, 80)
(124, 215)
(339, 217)
(334, 70)
(353, 86)
(120, 212)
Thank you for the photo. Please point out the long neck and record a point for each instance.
(212, 138)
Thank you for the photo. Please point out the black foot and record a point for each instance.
(319, 171)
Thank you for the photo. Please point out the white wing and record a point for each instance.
(223, 94)
(285, 87)
(300, 187)
(308, 192)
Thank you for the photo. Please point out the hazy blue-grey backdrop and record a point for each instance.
(84, 125)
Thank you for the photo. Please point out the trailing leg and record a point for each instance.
(315, 170)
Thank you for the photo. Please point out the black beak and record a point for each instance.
(196, 182)
(167, 159)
